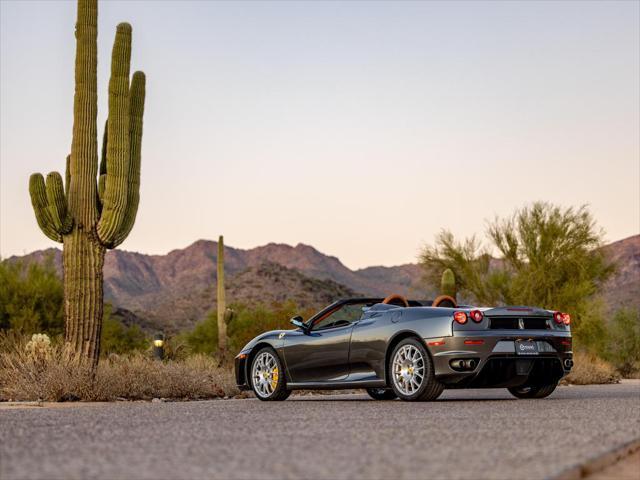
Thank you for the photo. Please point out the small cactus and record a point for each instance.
(229, 315)
(448, 284)
(39, 347)
(222, 324)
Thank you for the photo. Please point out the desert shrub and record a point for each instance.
(623, 342)
(204, 336)
(31, 297)
(590, 330)
(140, 377)
(119, 338)
(60, 375)
(591, 369)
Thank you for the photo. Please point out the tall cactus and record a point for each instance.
(448, 284)
(221, 301)
(92, 213)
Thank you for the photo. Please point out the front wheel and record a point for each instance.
(533, 391)
(381, 393)
(411, 372)
(267, 376)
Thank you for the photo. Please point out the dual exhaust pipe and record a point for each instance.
(463, 364)
(469, 364)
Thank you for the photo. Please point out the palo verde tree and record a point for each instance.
(542, 255)
(96, 208)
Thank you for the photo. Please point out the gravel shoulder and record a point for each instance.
(466, 434)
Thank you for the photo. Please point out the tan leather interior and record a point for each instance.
(395, 299)
(444, 301)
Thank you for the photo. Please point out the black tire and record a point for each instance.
(429, 388)
(269, 392)
(533, 391)
(382, 393)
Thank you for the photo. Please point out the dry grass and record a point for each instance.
(55, 374)
(589, 369)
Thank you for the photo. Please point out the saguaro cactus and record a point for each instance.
(448, 284)
(222, 325)
(90, 213)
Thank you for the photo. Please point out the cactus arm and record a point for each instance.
(136, 113)
(38, 193)
(84, 149)
(115, 193)
(57, 204)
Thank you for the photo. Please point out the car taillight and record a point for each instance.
(566, 318)
(476, 316)
(460, 317)
(557, 317)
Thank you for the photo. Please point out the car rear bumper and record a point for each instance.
(492, 361)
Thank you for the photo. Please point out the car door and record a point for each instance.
(322, 354)
(369, 342)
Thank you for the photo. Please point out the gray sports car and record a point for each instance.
(409, 349)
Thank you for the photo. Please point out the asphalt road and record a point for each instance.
(466, 434)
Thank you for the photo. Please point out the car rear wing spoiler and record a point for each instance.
(512, 311)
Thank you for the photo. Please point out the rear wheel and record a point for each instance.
(533, 391)
(381, 393)
(411, 372)
(267, 376)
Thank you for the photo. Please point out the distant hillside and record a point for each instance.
(176, 290)
(623, 289)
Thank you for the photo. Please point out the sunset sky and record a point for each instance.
(360, 128)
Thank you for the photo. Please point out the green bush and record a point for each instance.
(623, 345)
(589, 329)
(31, 297)
(118, 338)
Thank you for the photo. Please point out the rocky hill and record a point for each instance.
(175, 290)
(623, 289)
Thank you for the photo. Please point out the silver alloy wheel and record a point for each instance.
(408, 369)
(265, 374)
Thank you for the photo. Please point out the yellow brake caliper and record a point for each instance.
(274, 378)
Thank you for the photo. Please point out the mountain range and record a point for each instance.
(174, 291)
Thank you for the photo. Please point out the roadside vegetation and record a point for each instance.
(542, 255)
(41, 369)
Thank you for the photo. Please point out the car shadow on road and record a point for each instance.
(333, 399)
(364, 398)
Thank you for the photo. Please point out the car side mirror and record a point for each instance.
(299, 322)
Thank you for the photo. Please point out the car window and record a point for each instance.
(343, 316)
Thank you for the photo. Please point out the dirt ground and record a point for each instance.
(627, 468)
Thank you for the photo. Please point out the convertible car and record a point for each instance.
(412, 350)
